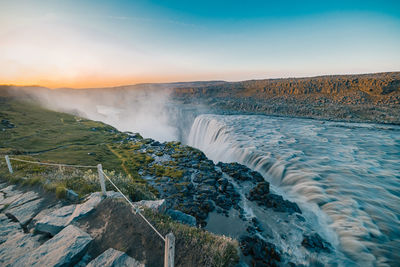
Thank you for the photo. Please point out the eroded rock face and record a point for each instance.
(114, 258)
(64, 249)
(314, 242)
(263, 253)
(240, 172)
(260, 194)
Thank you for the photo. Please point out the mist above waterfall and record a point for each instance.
(143, 109)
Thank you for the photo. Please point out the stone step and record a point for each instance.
(64, 249)
(24, 213)
(55, 221)
(114, 258)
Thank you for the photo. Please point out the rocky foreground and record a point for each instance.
(40, 231)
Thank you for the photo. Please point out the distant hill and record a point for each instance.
(363, 97)
(368, 85)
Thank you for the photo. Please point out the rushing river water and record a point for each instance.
(348, 174)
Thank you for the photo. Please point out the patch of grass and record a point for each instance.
(215, 250)
(61, 191)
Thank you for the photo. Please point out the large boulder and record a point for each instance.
(155, 205)
(182, 217)
(114, 258)
(55, 221)
(24, 213)
(64, 249)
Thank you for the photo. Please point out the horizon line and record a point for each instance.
(199, 81)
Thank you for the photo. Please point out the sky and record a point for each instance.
(87, 43)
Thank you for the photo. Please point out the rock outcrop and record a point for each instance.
(64, 249)
(114, 258)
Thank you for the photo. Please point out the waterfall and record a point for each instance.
(330, 169)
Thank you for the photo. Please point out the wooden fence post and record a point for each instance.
(101, 178)
(169, 254)
(9, 164)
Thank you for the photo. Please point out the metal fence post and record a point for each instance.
(101, 178)
(169, 254)
(9, 164)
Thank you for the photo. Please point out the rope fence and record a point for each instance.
(169, 239)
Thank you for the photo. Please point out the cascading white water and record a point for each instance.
(349, 172)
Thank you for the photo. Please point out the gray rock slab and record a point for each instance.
(10, 190)
(10, 199)
(64, 249)
(16, 247)
(8, 229)
(24, 213)
(55, 221)
(24, 198)
(114, 258)
(155, 205)
(86, 207)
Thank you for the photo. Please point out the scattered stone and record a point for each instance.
(114, 258)
(64, 249)
(182, 217)
(71, 195)
(315, 242)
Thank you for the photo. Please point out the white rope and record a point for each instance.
(53, 164)
(134, 208)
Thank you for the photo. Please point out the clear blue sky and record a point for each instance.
(90, 43)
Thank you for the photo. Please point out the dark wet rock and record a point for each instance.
(224, 202)
(272, 201)
(259, 191)
(240, 172)
(315, 242)
(263, 253)
(182, 217)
